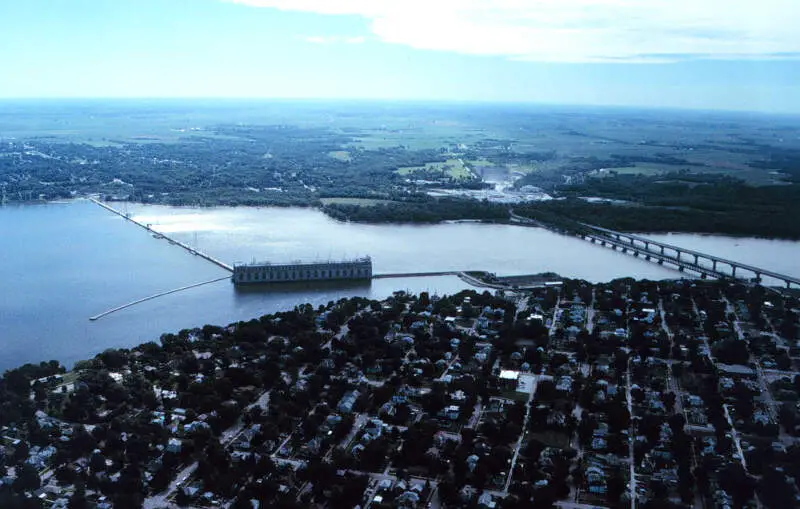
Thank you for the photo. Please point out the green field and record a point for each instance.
(341, 155)
(755, 177)
(453, 168)
(361, 202)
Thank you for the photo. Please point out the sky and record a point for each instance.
(697, 54)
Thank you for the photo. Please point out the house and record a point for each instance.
(694, 401)
(374, 428)
(485, 501)
(564, 384)
(596, 480)
(195, 425)
(508, 379)
(332, 420)
(472, 462)
(348, 400)
(451, 412)
(408, 498)
(401, 396)
(458, 396)
(599, 444)
(174, 445)
(39, 457)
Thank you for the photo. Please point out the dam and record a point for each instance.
(266, 272)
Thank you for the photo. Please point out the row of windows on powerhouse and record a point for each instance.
(268, 276)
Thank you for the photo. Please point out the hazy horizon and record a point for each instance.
(210, 102)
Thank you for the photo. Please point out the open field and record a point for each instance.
(453, 168)
(361, 202)
(340, 155)
(756, 177)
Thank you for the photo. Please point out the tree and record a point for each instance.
(27, 479)
(78, 498)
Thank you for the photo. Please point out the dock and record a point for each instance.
(161, 235)
(155, 296)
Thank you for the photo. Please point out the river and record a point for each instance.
(64, 262)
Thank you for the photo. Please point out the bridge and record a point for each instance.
(683, 259)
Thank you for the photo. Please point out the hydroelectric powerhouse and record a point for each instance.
(265, 272)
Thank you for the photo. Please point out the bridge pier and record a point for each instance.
(714, 265)
(733, 270)
(696, 259)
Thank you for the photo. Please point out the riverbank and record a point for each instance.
(104, 261)
(436, 211)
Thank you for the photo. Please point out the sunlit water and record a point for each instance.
(62, 263)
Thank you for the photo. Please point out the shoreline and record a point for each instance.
(321, 209)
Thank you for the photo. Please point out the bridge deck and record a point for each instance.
(718, 259)
(663, 257)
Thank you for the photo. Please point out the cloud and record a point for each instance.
(575, 30)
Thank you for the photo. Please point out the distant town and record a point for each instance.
(633, 394)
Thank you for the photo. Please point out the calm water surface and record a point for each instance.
(62, 263)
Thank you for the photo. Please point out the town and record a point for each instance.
(627, 394)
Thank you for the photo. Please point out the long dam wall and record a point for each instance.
(192, 250)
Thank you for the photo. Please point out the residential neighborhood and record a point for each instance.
(627, 394)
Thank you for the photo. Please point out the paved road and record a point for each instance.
(672, 384)
(632, 435)
(228, 436)
(590, 312)
(735, 436)
(162, 499)
(521, 435)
